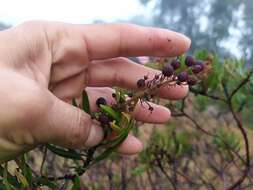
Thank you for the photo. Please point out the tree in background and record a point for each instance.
(209, 23)
(247, 38)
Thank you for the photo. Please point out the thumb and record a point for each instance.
(71, 127)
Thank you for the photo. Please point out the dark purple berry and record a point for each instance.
(141, 83)
(145, 77)
(192, 80)
(167, 70)
(104, 119)
(183, 76)
(113, 95)
(175, 64)
(197, 68)
(101, 101)
(189, 61)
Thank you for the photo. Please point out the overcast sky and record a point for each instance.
(73, 11)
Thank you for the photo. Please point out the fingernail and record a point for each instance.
(131, 146)
(186, 39)
(166, 114)
(95, 137)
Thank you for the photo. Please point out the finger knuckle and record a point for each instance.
(79, 132)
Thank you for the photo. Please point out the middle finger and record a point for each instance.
(125, 73)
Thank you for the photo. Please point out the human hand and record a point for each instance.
(43, 65)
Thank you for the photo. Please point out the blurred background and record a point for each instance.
(223, 26)
(201, 148)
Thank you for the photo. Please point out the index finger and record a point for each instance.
(114, 40)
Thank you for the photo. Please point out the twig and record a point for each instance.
(241, 128)
(43, 160)
(242, 83)
(203, 93)
(165, 173)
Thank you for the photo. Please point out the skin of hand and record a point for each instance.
(43, 65)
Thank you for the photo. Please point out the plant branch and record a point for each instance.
(241, 128)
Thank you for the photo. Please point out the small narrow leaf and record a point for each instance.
(125, 119)
(64, 153)
(77, 183)
(74, 102)
(118, 96)
(115, 127)
(22, 179)
(116, 142)
(110, 150)
(110, 111)
(9, 185)
(26, 170)
(5, 179)
(11, 179)
(85, 102)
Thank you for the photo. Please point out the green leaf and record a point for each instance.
(22, 179)
(11, 179)
(113, 144)
(5, 179)
(26, 170)
(7, 184)
(85, 102)
(76, 185)
(115, 127)
(117, 92)
(125, 119)
(116, 142)
(111, 112)
(64, 153)
(120, 95)
(110, 150)
(139, 170)
(74, 102)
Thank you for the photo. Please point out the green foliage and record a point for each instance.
(111, 112)
(9, 181)
(71, 154)
(170, 144)
(85, 101)
(76, 185)
(226, 144)
(139, 170)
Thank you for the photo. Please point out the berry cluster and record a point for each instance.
(173, 73)
(102, 117)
